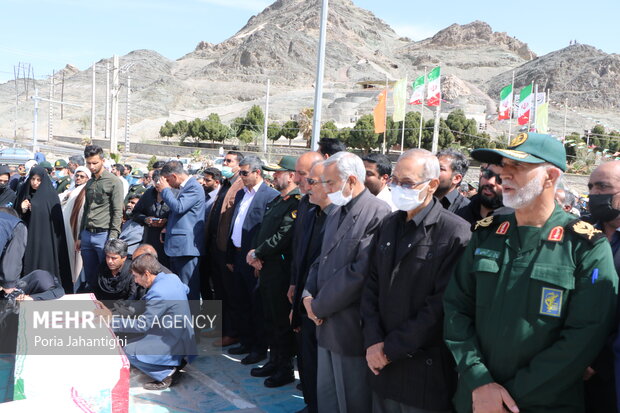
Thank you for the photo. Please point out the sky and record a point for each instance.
(51, 33)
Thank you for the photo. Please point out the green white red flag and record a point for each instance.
(417, 97)
(505, 102)
(433, 96)
(525, 105)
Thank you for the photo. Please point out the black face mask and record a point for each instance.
(3, 187)
(601, 209)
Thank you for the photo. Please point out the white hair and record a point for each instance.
(348, 164)
(429, 161)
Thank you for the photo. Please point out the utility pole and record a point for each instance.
(266, 118)
(50, 114)
(436, 128)
(127, 147)
(35, 119)
(106, 133)
(15, 74)
(92, 106)
(320, 70)
(62, 96)
(114, 111)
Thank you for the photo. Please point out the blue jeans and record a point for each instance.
(154, 371)
(91, 248)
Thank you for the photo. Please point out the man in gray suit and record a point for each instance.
(334, 286)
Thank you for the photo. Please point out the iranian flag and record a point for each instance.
(505, 102)
(525, 105)
(418, 92)
(433, 96)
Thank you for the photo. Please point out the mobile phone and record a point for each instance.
(155, 219)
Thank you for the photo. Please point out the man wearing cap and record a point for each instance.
(7, 195)
(271, 258)
(532, 299)
(61, 179)
(137, 189)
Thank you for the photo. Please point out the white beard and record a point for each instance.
(526, 194)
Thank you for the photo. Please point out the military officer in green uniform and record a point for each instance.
(62, 177)
(533, 297)
(137, 189)
(271, 258)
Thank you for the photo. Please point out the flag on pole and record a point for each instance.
(400, 100)
(434, 87)
(418, 92)
(505, 102)
(541, 98)
(542, 118)
(525, 105)
(380, 111)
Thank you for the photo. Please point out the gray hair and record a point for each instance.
(115, 246)
(559, 183)
(348, 164)
(429, 161)
(253, 162)
(172, 167)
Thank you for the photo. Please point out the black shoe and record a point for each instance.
(182, 365)
(267, 370)
(299, 387)
(241, 349)
(162, 385)
(254, 358)
(280, 378)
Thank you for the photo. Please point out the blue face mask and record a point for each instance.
(227, 172)
(60, 174)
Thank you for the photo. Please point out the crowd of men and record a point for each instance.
(397, 288)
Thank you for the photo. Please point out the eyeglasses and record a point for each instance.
(80, 176)
(227, 160)
(394, 183)
(245, 173)
(313, 182)
(489, 174)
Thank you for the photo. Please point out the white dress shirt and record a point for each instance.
(386, 196)
(248, 196)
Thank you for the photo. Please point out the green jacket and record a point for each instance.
(63, 184)
(530, 308)
(103, 204)
(274, 238)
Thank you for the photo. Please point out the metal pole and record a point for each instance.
(50, 113)
(114, 110)
(62, 96)
(127, 144)
(16, 105)
(402, 138)
(511, 110)
(106, 133)
(320, 70)
(35, 120)
(436, 128)
(93, 113)
(384, 145)
(266, 118)
(565, 116)
(422, 110)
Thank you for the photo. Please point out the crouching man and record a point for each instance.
(161, 352)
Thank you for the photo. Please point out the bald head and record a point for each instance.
(144, 249)
(302, 168)
(605, 179)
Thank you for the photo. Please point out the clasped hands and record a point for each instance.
(253, 261)
(493, 398)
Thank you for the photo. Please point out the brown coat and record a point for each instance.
(226, 215)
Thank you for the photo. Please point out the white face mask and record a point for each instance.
(406, 199)
(338, 197)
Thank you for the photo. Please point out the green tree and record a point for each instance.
(464, 130)
(412, 129)
(246, 136)
(304, 121)
(167, 130)
(290, 130)
(237, 125)
(152, 161)
(274, 132)
(344, 135)
(255, 119)
(329, 130)
(194, 129)
(213, 129)
(363, 135)
(180, 129)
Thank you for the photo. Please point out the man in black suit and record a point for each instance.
(334, 285)
(250, 205)
(410, 367)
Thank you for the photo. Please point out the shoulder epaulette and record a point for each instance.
(585, 230)
(298, 197)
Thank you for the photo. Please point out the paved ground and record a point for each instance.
(215, 382)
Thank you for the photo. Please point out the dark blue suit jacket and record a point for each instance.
(185, 230)
(253, 218)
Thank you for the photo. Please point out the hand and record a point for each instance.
(256, 273)
(250, 257)
(78, 244)
(290, 293)
(308, 305)
(493, 398)
(102, 311)
(230, 267)
(159, 223)
(376, 358)
(162, 184)
(148, 221)
(587, 375)
(25, 205)
(24, 297)
(161, 235)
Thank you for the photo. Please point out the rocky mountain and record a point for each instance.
(585, 76)
(280, 44)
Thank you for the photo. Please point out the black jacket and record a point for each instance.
(471, 211)
(402, 306)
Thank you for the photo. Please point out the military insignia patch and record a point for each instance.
(516, 154)
(294, 214)
(556, 234)
(503, 228)
(518, 140)
(585, 229)
(485, 222)
(298, 197)
(551, 302)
